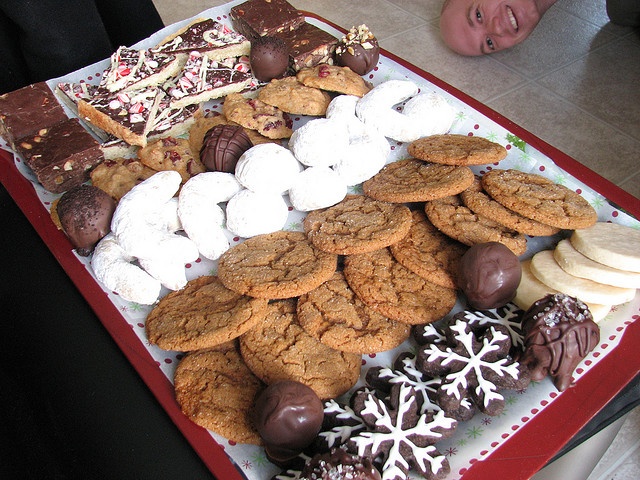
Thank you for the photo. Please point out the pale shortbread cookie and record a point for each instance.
(612, 244)
(531, 290)
(576, 264)
(546, 269)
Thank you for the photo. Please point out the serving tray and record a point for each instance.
(536, 423)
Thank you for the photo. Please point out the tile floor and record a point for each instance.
(575, 83)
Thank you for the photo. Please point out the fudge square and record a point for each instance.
(25, 111)
(309, 46)
(61, 156)
(257, 18)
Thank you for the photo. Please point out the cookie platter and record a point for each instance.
(481, 446)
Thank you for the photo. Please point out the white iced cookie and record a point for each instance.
(201, 217)
(317, 187)
(430, 113)
(267, 168)
(113, 267)
(320, 142)
(252, 213)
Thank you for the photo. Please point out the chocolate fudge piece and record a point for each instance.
(309, 46)
(25, 111)
(61, 155)
(257, 18)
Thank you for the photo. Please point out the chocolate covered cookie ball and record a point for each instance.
(288, 417)
(358, 50)
(339, 464)
(269, 58)
(489, 275)
(222, 146)
(559, 332)
(85, 215)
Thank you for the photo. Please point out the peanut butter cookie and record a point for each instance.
(291, 96)
(216, 390)
(256, 115)
(358, 224)
(456, 149)
(202, 315)
(334, 79)
(395, 291)
(335, 316)
(413, 180)
(452, 218)
(429, 253)
(279, 349)
(539, 198)
(275, 265)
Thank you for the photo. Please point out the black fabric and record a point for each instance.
(42, 39)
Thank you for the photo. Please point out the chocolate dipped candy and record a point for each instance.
(489, 274)
(85, 215)
(338, 463)
(559, 332)
(269, 58)
(288, 417)
(358, 50)
(222, 146)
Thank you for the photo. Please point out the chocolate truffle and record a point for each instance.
(338, 463)
(288, 417)
(269, 58)
(222, 146)
(358, 50)
(489, 275)
(85, 214)
(559, 332)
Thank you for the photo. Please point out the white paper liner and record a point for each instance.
(478, 437)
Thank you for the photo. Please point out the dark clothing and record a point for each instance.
(42, 39)
(624, 12)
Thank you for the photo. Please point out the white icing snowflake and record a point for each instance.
(510, 316)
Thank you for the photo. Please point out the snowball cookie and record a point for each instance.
(320, 142)
(431, 113)
(317, 187)
(252, 213)
(267, 168)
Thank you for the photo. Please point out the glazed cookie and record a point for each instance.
(216, 390)
(335, 316)
(456, 149)
(277, 265)
(334, 79)
(358, 224)
(256, 115)
(171, 154)
(291, 96)
(479, 202)
(118, 176)
(413, 180)
(539, 198)
(455, 220)
(279, 349)
(429, 253)
(395, 291)
(202, 315)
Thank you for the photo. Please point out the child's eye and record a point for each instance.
(490, 44)
(478, 15)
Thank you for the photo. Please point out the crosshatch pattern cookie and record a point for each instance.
(335, 316)
(395, 291)
(429, 253)
(539, 198)
(456, 149)
(291, 96)
(358, 224)
(275, 265)
(412, 180)
(279, 349)
(479, 202)
(452, 218)
(215, 389)
(202, 315)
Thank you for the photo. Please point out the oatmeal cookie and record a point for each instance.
(291, 96)
(334, 79)
(256, 115)
(358, 224)
(171, 153)
(118, 176)
(456, 149)
(412, 180)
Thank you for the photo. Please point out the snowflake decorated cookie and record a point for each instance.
(509, 315)
(474, 366)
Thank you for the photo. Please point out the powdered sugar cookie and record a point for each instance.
(252, 213)
(267, 168)
(320, 142)
(317, 187)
